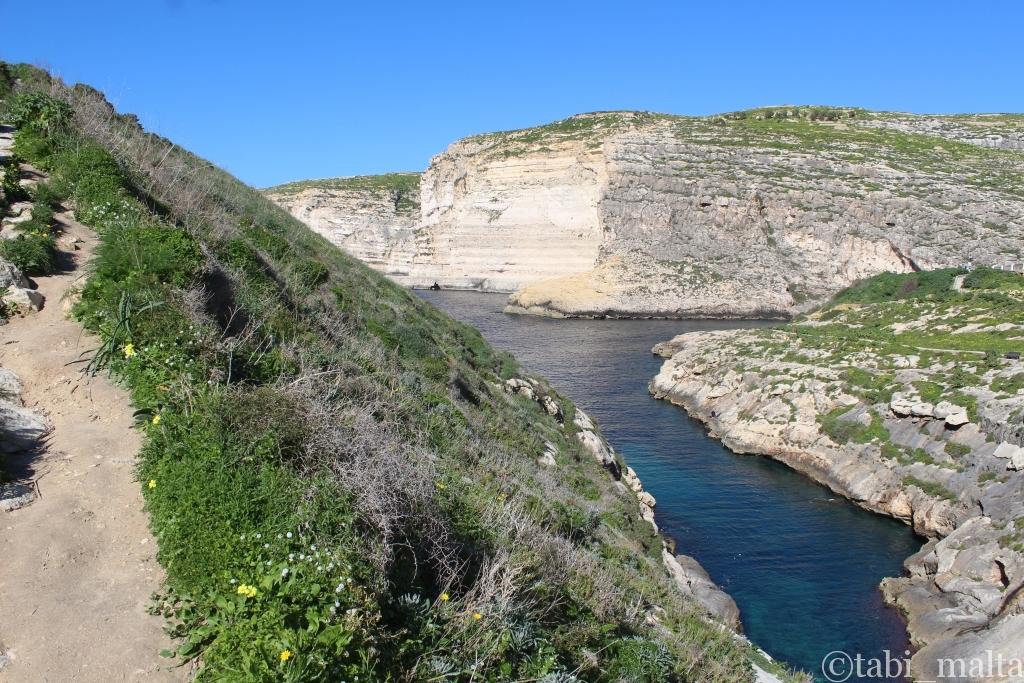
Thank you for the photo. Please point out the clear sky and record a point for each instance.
(277, 91)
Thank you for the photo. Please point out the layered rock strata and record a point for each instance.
(758, 213)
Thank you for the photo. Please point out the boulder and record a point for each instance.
(954, 415)
(922, 409)
(1008, 451)
(600, 450)
(552, 408)
(547, 458)
(521, 387)
(10, 385)
(23, 297)
(11, 276)
(632, 481)
(583, 421)
(958, 417)
(693, 581)
(20, 428)
(900, 406)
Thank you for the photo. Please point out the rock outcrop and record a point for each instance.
(933, 437)
(21, 430)
(758, 213)
(15, 289)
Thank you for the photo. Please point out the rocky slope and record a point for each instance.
(898, 396)
(755, 213)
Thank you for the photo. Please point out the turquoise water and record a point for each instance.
(802, 564)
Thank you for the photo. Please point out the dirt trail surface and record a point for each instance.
(77, 566)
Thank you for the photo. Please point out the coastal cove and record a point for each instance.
(802, 564)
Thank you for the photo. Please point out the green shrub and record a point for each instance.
(956, 450)
(640, 660)
(10, 187)
(39, 111)
(993, 279)
(1008, 385)
(929, 391)
(933, 284)
(930, 488)
(313, 273)
(843, 430)
(875, 388)
(33, 253)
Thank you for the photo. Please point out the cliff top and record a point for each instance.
(990, 144)
(385, 182)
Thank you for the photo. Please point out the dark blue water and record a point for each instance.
(802, 564)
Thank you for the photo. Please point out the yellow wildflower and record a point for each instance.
(128, 349)
(247, 590)
(445, 597)
(285, 655)
(152, 483)
(155, 420)
(441, 486)
(477, 616)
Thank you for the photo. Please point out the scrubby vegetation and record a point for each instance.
(339, 488)
(33, 251)
(843, 428)
(797, 113)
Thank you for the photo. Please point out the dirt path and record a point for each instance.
(78, 565)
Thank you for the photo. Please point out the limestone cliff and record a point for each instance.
(371, 217)
(885, 398)
(763, 212)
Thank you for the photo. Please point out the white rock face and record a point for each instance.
(371, 223)
(498, 223)
(645, 215)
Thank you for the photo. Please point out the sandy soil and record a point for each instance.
(78, 565)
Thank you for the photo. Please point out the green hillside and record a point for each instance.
(339, 487)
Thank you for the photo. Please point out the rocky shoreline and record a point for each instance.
(962, 592)
(689, 576)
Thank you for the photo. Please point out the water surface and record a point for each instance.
(802, 564)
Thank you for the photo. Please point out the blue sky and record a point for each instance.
(282, 91)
